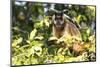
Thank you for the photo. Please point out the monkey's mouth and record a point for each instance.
(58, 25)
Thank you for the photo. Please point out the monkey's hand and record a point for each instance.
(60, 41)
(63, 38)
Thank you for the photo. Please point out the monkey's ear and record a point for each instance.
(67, 17)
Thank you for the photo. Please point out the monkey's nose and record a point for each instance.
(58, 23)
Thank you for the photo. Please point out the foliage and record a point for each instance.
(32, 41)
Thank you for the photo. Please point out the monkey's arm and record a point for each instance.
(74, 31)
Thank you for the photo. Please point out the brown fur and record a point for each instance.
(67, 29)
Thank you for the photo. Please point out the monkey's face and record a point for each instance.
(58, 19)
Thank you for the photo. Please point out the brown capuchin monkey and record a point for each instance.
(63, 28)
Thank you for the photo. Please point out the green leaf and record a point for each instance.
(32, 34)
(78, 19)
(14, 44)
(39, 37)
(38, 49)
(88, 31)
(19, 40)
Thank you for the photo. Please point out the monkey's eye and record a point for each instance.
(60, 18)
(56, 18)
